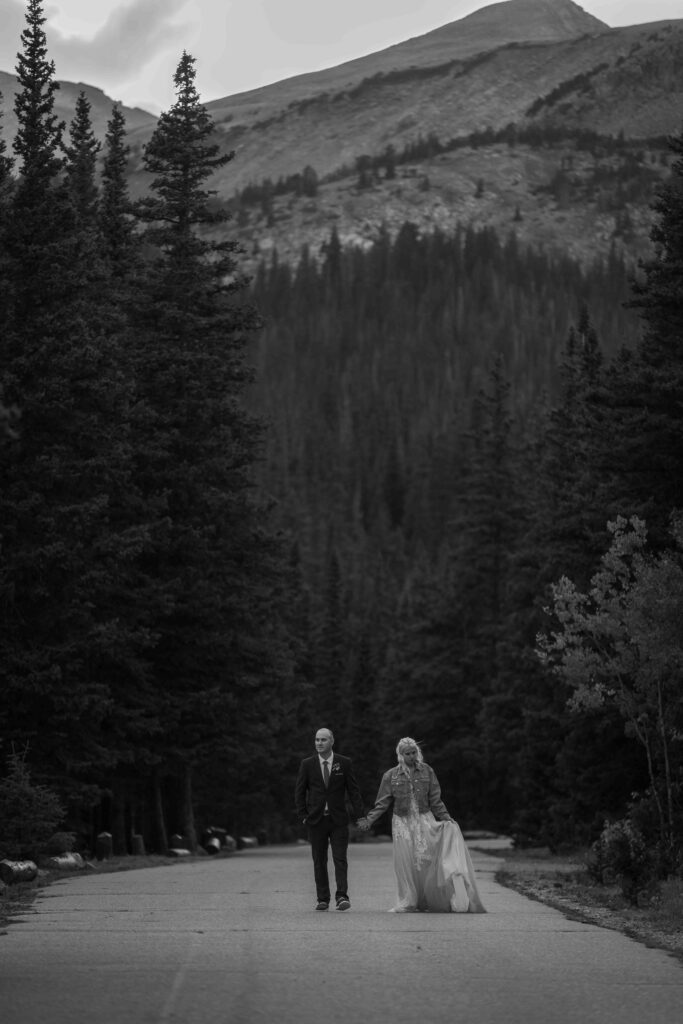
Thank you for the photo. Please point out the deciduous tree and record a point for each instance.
(619, 643)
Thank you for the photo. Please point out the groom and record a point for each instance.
(322, 785)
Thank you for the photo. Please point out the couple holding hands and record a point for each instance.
(432, 864)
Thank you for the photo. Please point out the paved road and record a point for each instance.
(236, 941)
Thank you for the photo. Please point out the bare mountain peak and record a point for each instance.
(499, 24)
(520, 21)
(559, 19)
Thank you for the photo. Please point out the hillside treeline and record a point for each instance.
(455, 420)
(625, 169)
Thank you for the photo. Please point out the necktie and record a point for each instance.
(326, 774)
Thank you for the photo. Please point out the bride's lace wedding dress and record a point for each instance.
(433, 866)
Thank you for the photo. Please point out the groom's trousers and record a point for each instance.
(324, 835)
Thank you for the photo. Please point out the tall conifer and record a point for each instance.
(60, 630)
(117, 226)
(642, 435)
(39, 209)
(81, 163)
(6, 184)
(214, 569)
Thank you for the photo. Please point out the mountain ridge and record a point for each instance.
(483, 30)
(280, 136)
(65, 105)
(480, 75)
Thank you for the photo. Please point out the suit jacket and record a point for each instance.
(310, 794)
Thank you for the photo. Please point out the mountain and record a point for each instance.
(497, 25)
(328, 117)
(501, 24)
(65, 105)
(502, 118)
(543, 66)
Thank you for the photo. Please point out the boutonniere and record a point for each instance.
(336, 767)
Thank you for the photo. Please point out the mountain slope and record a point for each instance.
(65, 105)
(499, 24)
(633, 83)
(623, 83)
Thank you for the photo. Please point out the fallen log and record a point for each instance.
(65, 862)
(12, 871)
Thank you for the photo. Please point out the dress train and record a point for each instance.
(433, 867)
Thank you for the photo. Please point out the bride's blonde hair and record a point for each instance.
(401, 746)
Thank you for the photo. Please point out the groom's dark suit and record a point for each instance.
(331, 826)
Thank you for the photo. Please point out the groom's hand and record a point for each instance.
(363, 824)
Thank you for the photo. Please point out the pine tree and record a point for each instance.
(6, 164)
(6, 187)
(117, 225)
(86, 266)
(567, 520)
(215, 572)
(488, 535)
(40, 212)
(330, 699)
(81, 163)
(61, 634)
(642, 435)
(660, 297)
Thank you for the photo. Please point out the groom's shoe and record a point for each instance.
(321, 905)
(343, 903)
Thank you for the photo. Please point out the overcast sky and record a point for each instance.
(130, 48)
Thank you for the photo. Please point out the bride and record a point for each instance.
(431, 861)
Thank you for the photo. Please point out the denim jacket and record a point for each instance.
(395, 789)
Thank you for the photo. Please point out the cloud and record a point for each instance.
(13, 21)
(325, 23)
(132, 36)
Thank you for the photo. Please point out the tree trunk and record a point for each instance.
(158, 819)
(118, 818)
(667, 771)
(186, 809)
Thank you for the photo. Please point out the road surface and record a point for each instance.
(235, 940)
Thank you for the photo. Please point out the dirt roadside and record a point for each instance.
(562, 882)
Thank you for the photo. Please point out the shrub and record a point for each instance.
(60, 842)
(29, 814)
(621, 852)
(667, 850)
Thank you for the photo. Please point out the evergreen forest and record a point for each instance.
(428, 488)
